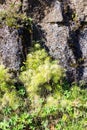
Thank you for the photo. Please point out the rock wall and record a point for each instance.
(61, 27)
(63, 30)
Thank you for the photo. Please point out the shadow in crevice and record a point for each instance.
(25, 36)
(36, 8)
(73, 40)
(73, 43)
(39, 35)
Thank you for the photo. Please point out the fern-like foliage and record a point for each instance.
(41, 72)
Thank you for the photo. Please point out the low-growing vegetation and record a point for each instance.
(43, 100)
(13, 18)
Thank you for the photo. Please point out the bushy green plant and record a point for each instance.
(45, 101)
(41, 73)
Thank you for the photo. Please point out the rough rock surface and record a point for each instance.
(13, 47)
(56, 39)
(10, 48)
